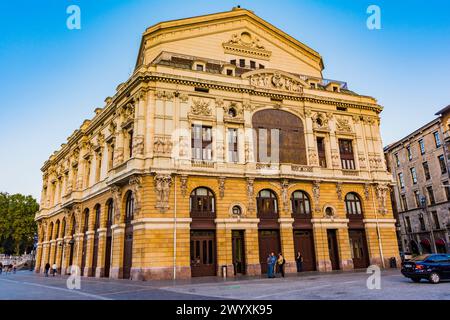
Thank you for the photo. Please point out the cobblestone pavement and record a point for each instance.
(306, 286)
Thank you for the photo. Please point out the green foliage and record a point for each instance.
(17, 225)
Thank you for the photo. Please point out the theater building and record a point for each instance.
(224, 145)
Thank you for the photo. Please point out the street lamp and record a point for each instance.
(424, 206)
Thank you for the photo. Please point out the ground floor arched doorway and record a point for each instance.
(203, 253)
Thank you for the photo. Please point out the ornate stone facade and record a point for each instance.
(175, 152)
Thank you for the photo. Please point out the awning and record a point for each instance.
(440, 242)
(425, 242)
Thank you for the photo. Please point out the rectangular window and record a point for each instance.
(408, 224)
(201, 142)
(437, 139)
(408, 149)
(111, 155)
(413, 175)
(447, 190)
(199, 67)
(426, 170)
(417, 198)
(229, 72)
(233, 61)
(404, 203)
(252, 64)
(321, 152)
(346, 152)
(436, 220)
(422, 223)
(261, 66)
(233, 145)
(431, 195)
(98, 168)
(422, 146)
(130, 144)
(397, 160)
(242, 63)
(401, 180)
(442, 164)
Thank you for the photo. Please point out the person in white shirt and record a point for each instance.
(54, 268)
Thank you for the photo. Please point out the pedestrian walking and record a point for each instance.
(47, 268)
(299, 261)
(14, 267)
(54, 269)
(1, 268)
(280, 263)
(271, 261)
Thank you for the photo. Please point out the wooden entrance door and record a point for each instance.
(83, 255)
(108, 256)
(95, 254)
(127, 252)
(333, 249)
(203, 253)
(358, 247)
(304, 243)
(238, 252)
(269, 241)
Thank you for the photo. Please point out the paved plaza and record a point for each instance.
(306, 286)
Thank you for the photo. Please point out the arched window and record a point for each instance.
(74, 226)
(57, 229)
(86, 220)
(301, 206)
(63, 228)
(353, 206)
(202, 203)
(110, 207)
(97, 217)
(267, 204)
(50, 231)
(281, 132)
(129, 207)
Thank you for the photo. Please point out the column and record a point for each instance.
(88, 272)
(224, 250)
(59, 252)
(45, 252)
(66, 254)
(287, 244)
(118, 233)
(38, 258)
(253, 265)
(52, 252)
(345, 255)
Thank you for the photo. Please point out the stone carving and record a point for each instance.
(183, 187)
(163, 145)
(277, 81)
(219, 103)
(136, 186)
(339, 190)
(247, 106)
(335, 159)
(183, 146)
(313, 158)
(184, 97)
(284, 194)
(221, 181)
(362, 161)
(112, 128)
(375, 162)
(250, 194)
(246, 44)
(138, 145)
(116, 192)
(162, 190)
(201, 108)
(77, 214)
(366, 191)
(141, 95)
(343, 125)
(320, 121)
(118, 156)
(316, 195)
(381, 194)
(164, 95)
(127, 111)
(233, 110)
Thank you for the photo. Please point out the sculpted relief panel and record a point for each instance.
(275, 80)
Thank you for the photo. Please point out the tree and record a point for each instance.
(17, 225)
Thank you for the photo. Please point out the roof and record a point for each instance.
(234, 13)
(442, 111)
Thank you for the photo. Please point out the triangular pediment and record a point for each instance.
(231, 35)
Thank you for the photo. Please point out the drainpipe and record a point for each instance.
(175, 231)
(380, 246)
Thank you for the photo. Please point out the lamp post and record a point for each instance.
(424, 205)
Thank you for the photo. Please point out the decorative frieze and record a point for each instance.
(183, 187)
(316, 195)
(221, 181)
(200, 107)
(136, 187)
(343, 125)
(284, 195)
(250, 194)
(116, 193)
(162, 145)
(382, 190)
(138, 145)
(245, 44)
(339, 190)
(275, 80)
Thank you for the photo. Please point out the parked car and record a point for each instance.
(433, 267)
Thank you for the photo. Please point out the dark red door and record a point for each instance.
(127, 252)
(203, 253)
(358, 247)
(304, 243)
(95, 254)
(83, 255)
(333, 249)
(269, 241)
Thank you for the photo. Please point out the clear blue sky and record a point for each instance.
(52, 78)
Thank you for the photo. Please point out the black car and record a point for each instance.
(432, 267)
